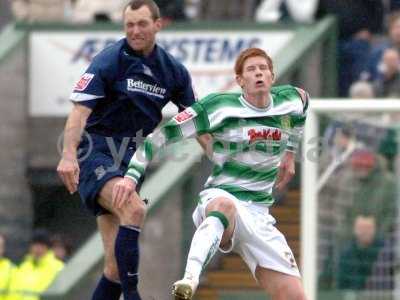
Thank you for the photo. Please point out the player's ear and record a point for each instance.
(159, 24)
(239, 80)
(273, 77)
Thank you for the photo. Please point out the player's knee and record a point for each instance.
(134, 214)
(225, 206)
(139, 211)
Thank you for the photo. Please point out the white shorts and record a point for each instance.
(255, 237)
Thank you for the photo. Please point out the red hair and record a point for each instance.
(251, 52)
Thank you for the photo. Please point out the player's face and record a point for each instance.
(256, 77)
(140, 29)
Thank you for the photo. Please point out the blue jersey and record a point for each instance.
(127, 91)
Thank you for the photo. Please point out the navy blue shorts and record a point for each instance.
(97, 166)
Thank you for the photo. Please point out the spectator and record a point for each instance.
(40, 10)
(393, 41)
(358, 183)
(61, 247)
(224, 9)
(37, 271)
(393, 4)
(388, 147)
(387, 85)
(382, 274)
(6, 270)
(354, 16)
(275, 10)
(357, 258)
(5, 13)
(361, 90)
(192, 9)
(357, 21)
(371, 190)
(88, 11)
(172, 10)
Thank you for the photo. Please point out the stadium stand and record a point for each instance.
(40, 10)
(87, 11)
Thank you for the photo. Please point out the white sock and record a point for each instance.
(204, 245)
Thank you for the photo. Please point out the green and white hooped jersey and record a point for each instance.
(248, 142)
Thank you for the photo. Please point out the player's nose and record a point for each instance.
(135, 30)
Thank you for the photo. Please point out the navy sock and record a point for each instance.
(127, 255)
(107, 290)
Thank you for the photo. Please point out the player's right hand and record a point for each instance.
(68, 170)
(122, 191)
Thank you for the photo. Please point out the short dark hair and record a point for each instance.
(58, 240)
(393, 18)
(251, 52)
(153, 7)
(41, 236)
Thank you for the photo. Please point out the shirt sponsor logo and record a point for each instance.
(145, 88)
(185, 115)
(264, 134)
(83, 82)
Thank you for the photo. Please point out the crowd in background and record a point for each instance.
(30, 277)
(368, 30)
(357, 210)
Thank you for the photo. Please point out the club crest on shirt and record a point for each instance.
(147, 71)
(83, 82)
(285, 122)
(185, 115)
(100, 171)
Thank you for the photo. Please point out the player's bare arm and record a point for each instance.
(68, 168)
(205, 142)
(287, 165)
(286, 170)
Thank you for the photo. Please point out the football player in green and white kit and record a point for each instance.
(255, 136)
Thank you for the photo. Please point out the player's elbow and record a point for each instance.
(81, 110)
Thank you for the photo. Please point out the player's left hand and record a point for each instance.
(122, 191)
(286, 170)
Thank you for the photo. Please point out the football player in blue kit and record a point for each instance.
(119, 97)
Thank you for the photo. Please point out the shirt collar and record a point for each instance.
(151, 57)
(260, 109)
